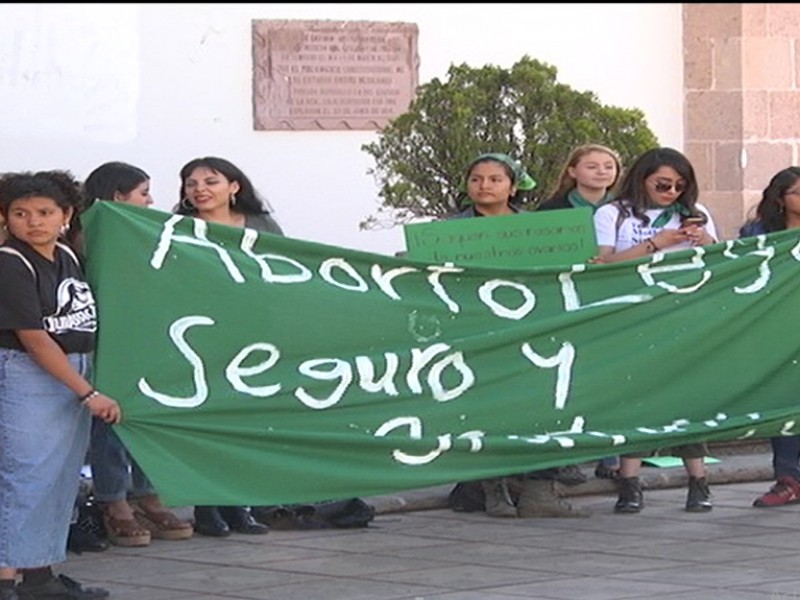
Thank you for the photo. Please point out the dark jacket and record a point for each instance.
(555, 202)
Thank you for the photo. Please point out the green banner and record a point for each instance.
(548, 237)
(260, 369)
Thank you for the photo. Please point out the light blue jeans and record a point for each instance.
(115, 473)
(44, 434)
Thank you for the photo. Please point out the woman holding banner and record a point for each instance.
(132, 510)
(587, 179)
(217, 191)
(656, 210)
(779, 209)
(48, 328)
(495, 185)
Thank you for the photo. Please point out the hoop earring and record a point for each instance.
(186, 204)
(233, 199)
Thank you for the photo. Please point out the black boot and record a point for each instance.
(83, 539)
(699, 497)
(209, 521)
(240, 520)
(630, 495)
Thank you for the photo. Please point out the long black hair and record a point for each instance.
(111, 178)
(633, 197)
(771, 210)
(248, 201)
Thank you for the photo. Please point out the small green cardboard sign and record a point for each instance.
(665, 462)
(526, 239)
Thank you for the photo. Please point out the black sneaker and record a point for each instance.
(240, 520)
(60, 587)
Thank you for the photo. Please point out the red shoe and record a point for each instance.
(785, 491)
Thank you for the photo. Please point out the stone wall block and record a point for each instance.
(728, 175)
(712, 20)
(713, 116)
(698, 67)
(783, 20)
(767, 63)
(784, 115)
(755, 115)
(764, 159)
(727, 64)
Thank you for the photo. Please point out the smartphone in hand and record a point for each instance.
(689, 221)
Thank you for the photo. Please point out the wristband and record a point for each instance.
(650, 245)
(88, 396)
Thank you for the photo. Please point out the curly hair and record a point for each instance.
(60, 186)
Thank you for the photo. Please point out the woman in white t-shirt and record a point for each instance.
(656, 210)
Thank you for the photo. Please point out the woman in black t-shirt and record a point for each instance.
(48, 323)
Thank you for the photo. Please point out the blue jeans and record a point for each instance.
(786, 456)
(115, 474)
(44, 433)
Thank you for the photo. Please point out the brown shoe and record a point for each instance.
(162, 524)
(540, 498)
(497, 498)
(126, 532)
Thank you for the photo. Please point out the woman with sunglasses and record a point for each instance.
(656, 210)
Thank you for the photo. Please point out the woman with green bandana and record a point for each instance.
(494, 185)
(587, 178)
(656, 211)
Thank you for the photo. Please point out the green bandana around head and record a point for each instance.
(522, 180)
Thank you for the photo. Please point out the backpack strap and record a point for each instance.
(69, 251)
(18, 254)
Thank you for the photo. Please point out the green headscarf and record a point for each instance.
(522, 180)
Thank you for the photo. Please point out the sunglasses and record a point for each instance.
(662, 187)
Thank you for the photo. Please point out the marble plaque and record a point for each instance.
(332, 75)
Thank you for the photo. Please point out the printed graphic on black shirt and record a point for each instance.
(75, 310)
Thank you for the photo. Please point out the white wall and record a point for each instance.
(158, 85)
